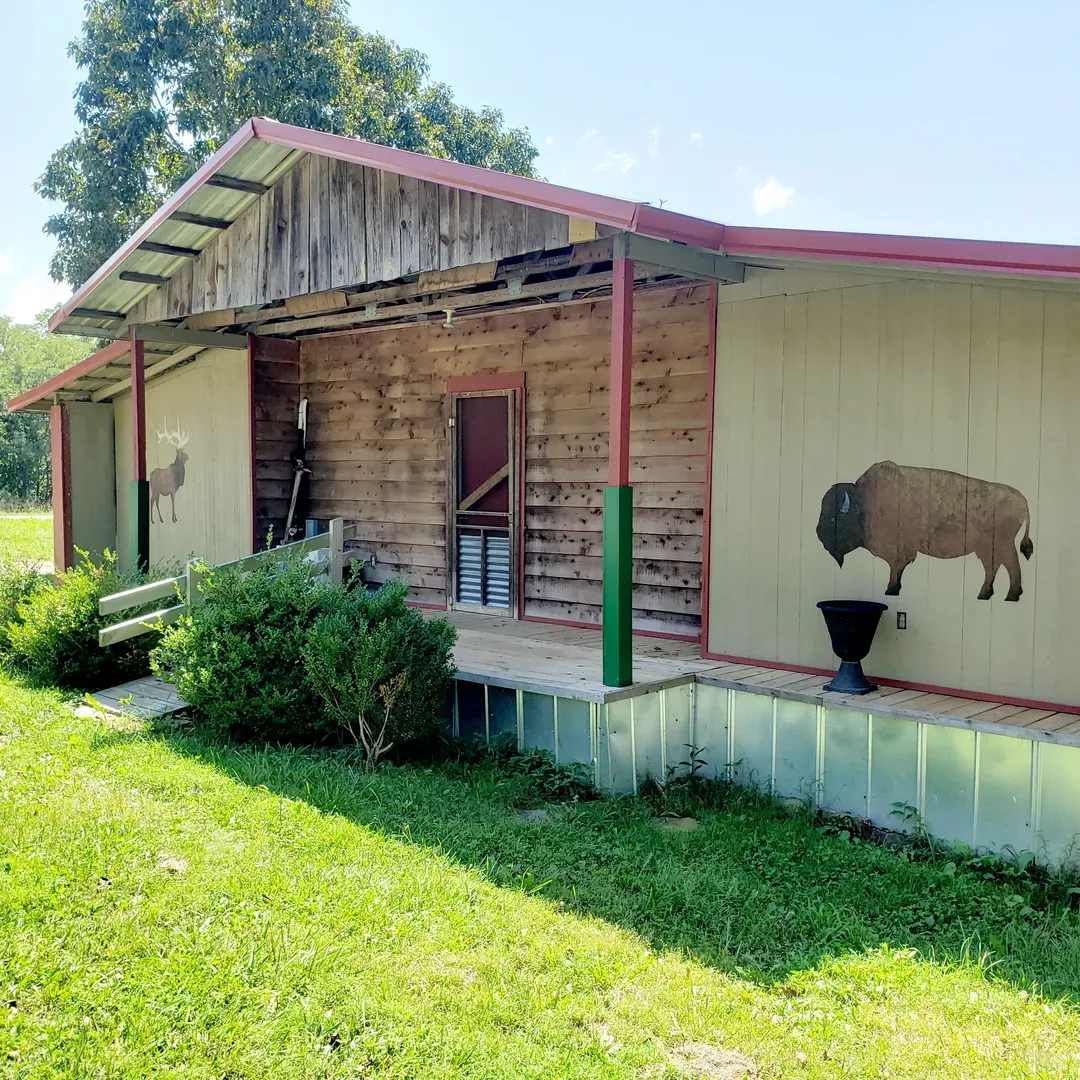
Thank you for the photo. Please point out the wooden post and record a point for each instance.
(619, 495)
(335, 569)
(139, 524)
(193, 575)
(60, 447)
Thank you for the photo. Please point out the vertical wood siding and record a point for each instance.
(328, 224)
(821, 375)
(378, 450)
(275, 399)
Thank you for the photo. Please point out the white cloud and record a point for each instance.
(742, 172)
(695, 139)
(621, 163)
(654, 142)
(31, 295)
(549, 139)
(587, 136)
(771, 196)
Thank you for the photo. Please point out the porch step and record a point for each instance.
(148, 698)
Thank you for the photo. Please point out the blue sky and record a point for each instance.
(938, 118)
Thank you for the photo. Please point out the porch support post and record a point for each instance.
(618, 495)
(139, 523)
(60, 447)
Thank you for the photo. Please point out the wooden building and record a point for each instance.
(552, 412)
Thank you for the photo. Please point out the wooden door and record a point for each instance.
(484, 486)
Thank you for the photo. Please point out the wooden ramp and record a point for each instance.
(148, 699)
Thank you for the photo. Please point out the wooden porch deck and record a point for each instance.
(566, 661)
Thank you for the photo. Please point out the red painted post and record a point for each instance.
(138, 412)
(622, 352)
(60, 445)
(139, 535)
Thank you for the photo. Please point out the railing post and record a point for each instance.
(335, 569)
(192, 576)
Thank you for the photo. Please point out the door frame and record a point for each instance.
(511, 385)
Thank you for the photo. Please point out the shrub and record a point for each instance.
(237, 659)
(54, 635)
(382, 669)
(19, 580)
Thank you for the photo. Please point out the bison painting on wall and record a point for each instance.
(898, 512)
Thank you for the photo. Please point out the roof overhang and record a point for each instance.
(262, 150)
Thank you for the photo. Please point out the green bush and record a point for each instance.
(237, 659)
(19, 579)
(53, 637)
(382, 669)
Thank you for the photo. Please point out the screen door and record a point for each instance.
(483, 497)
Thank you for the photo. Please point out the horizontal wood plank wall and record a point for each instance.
(329, 224)
(377, 447)
(275, 388)
(821, 375)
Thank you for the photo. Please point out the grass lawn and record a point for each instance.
(169, 907)
(26, 537)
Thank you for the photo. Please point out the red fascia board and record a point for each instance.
(66, 378)
(240, 138)
(678, 228)
(520, 189)
(967, 255)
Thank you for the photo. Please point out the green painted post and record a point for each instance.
(618, 585)
(139, 525)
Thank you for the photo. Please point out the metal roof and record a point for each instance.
(262, 150)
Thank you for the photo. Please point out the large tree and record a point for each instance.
(167, 81)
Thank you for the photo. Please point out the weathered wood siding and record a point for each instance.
(275, 399)
(209, 398)
(328, 224)
(378, 449)
(818, 377)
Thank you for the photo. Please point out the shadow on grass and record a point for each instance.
(755, 889)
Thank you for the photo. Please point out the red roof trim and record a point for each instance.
(519, 189)
(970, 255)
(66, 378)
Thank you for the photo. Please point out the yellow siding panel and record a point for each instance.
(209, 400)
(821, 375)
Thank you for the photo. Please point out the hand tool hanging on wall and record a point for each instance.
(299, 468)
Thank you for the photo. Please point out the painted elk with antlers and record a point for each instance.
(170, 480)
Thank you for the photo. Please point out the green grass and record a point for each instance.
(174, 908)
(26, 537)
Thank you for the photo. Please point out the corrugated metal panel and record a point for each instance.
(470, 560)
(483, 570)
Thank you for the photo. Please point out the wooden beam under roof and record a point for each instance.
(143, 279)
(168, 249)
(96, 313)
(235, 183)
(199, 219)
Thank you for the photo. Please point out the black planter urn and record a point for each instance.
(851, 625)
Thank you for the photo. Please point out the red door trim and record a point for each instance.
(479, 384)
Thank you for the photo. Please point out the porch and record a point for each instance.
(985, 772)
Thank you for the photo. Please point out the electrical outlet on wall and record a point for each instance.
(901, 620)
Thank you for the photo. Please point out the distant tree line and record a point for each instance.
(29, 356)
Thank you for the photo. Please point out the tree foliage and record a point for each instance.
(168, 81)
(29, 356)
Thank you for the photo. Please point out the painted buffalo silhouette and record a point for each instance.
(899, 511)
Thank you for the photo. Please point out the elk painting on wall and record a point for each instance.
(169, 480)
(898, 512)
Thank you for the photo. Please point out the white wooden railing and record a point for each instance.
(184, 590)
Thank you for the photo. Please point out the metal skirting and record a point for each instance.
(996, 792)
